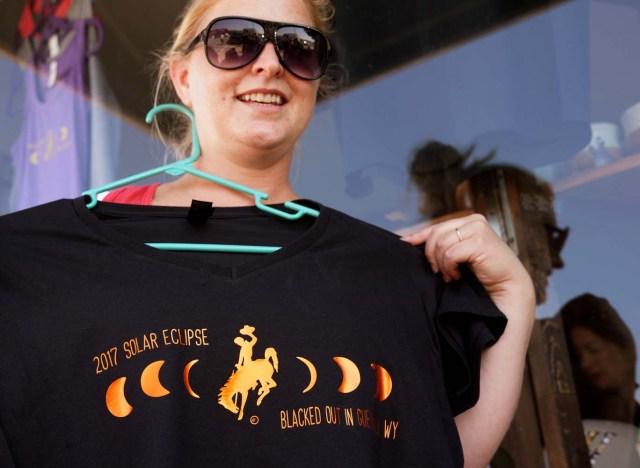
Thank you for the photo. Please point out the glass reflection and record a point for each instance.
(603, 354)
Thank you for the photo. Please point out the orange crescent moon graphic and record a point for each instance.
(116, 402)
(384, 383)
(150, 380)
(350, 375)
(312, 372)
(185, 375)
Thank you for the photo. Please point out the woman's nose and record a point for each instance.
(268, 62)
(586, 362)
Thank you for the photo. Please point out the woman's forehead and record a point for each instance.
(286, 11)
(584, 335)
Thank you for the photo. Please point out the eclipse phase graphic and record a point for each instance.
(116, 402)
(185, 375)
(350, 374)
(313, 374)
(150, 380)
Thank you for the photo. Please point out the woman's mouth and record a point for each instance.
(263, 98)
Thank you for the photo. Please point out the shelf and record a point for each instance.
(619, 165)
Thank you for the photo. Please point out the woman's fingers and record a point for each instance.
(469, 239)
(419, 237)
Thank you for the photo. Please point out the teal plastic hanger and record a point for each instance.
(186, 166)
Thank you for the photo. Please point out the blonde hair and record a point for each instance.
(174, 129)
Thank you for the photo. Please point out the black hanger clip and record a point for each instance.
(200, 211)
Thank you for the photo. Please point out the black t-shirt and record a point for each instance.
(340, 349)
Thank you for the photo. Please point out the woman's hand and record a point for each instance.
(470, 239)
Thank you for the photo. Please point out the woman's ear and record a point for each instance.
(179, 72)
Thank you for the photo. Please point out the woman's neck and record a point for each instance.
(261, 171)
(619, 405)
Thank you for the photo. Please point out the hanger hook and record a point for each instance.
(195, 145)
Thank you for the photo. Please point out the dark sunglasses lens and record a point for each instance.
(233, 43)
(303, 51)
(557, 238)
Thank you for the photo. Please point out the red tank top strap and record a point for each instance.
(141, 195)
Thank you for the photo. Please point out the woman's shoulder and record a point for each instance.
(363, 235)
(134, 195)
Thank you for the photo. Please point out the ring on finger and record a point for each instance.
(459, 235)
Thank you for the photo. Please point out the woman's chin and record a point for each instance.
(267, 138)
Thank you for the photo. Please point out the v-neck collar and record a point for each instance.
(112, 235)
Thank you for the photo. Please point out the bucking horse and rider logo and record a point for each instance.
(249, 373)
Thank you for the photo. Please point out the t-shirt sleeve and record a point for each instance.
(467, 322)
(6, 459)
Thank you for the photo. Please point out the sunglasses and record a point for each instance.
(557, 238)
(232, 42)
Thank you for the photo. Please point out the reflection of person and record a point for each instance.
(436, 170)
(519, 205)
(603, 355)
(337, 287)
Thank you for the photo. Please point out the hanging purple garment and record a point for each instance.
(52, 152)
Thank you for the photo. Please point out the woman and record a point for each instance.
(603, 354)
(250, 140)
(338, 289)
